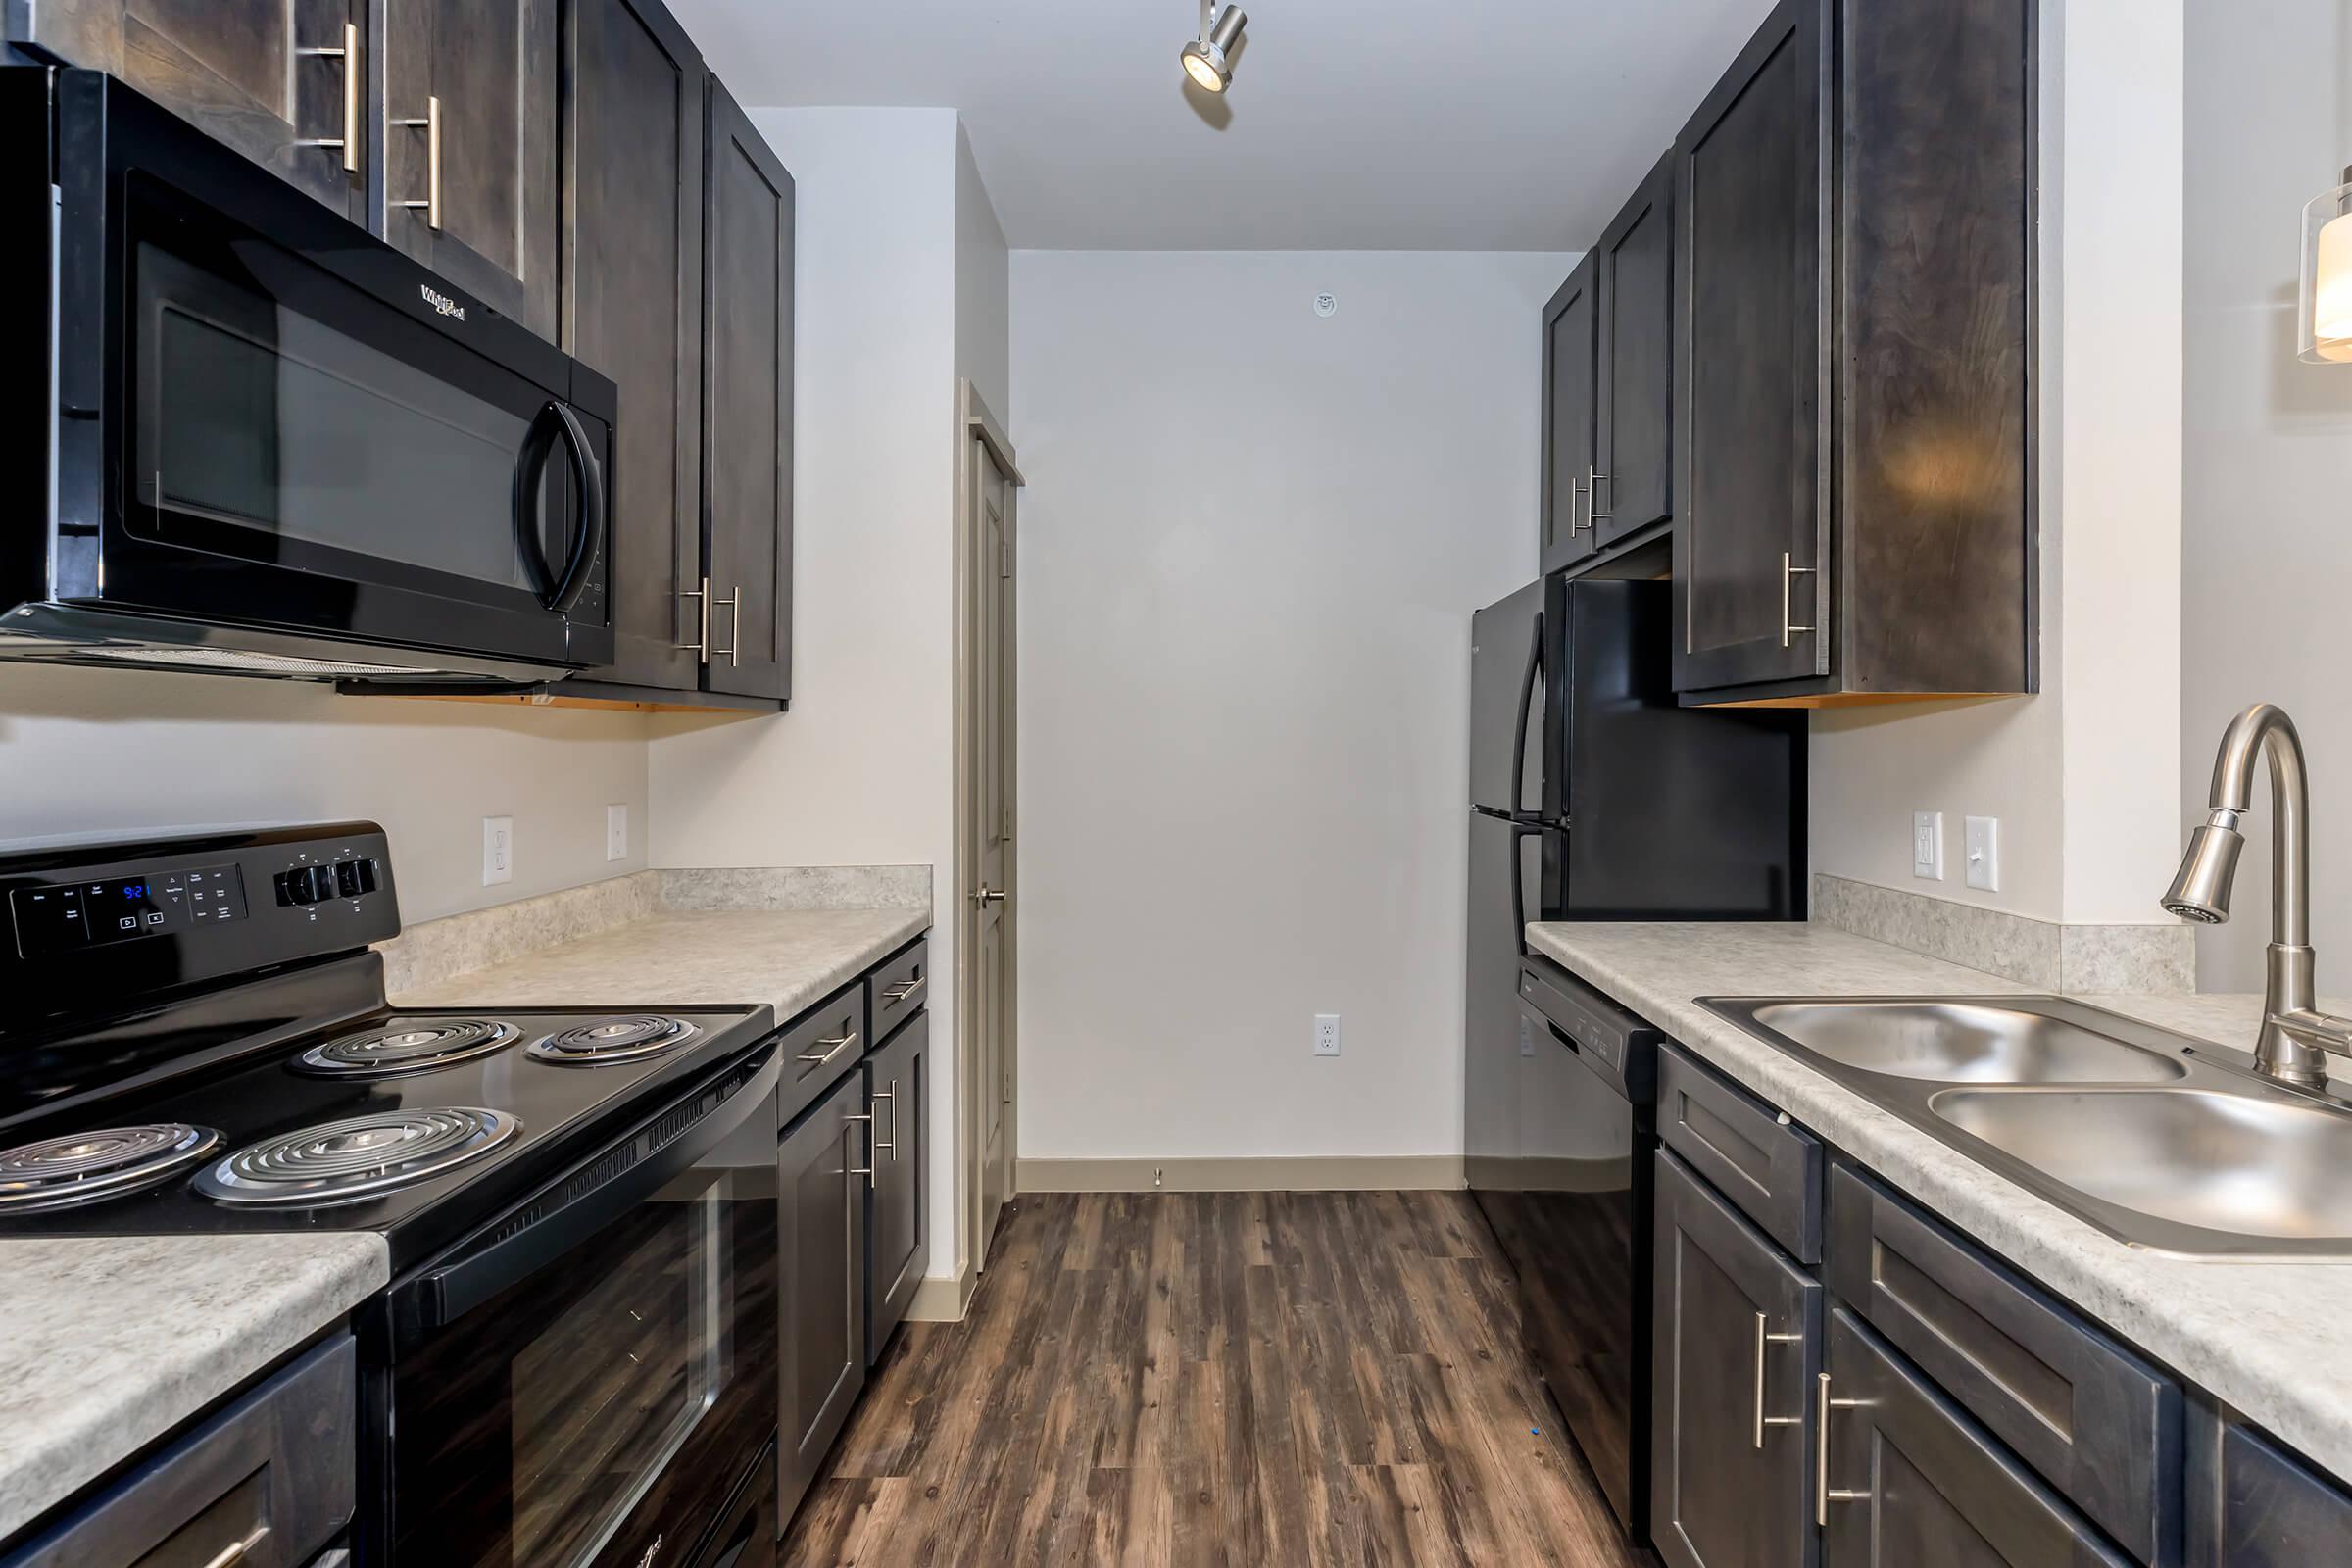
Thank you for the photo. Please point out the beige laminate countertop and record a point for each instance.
(789, 959)
(2273, 1339)
(108, 1343)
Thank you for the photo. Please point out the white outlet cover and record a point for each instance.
(1927, 844)
(498, 849)
(1985, 852)
(617, 832)
(1327, 1034)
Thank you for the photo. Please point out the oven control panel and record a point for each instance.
(92, 925)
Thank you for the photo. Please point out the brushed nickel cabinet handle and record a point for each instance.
(700, 645)
(432, 163)
(1576, 487)
(893, 995)
(837, 1044)
(734, 648)
(1763, 1339)
(892, 1095)
(1788, 574)
(349, 142)
(1823, 1496)
(1593, 480)
(234, 1552)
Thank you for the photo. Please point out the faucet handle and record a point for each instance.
(2321, 1031)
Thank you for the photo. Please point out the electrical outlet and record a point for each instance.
(498, 849)
(1927, 844)
(617, 832)
(1985, 852)
(1327, 1034)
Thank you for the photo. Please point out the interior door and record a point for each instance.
(468, 183)
(747, 403)
(1751, 535)
(633, 310)
(269, 78)
(1571, 349)
(993, 624)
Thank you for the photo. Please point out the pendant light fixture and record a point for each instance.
(2325, 302)
(1209, 59)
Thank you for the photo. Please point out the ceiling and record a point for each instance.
(1351, 124)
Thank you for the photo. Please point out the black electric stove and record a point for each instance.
(196, 1040)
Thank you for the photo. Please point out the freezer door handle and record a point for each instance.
(1527, 691)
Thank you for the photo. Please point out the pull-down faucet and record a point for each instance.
(2296, 1036)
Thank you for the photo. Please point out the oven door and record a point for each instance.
(300, 430)
(588, 1380)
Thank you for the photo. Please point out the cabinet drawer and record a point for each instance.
(897, 989)
(2099, 1424)
(1768, 1167)
(274, 1473)
(822, 1045)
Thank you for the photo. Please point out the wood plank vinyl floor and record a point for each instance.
(1234, 1379)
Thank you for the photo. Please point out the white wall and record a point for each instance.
(983, 298)
(2083, 776)
(85, 753)
(2266, 545)
(861, 770)
(1251, 540)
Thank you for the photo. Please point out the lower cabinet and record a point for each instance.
(1737, 1351)
(1912, 1483)
(898, 1084)
(821, 1166)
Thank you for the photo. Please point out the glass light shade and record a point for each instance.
(2325, 302)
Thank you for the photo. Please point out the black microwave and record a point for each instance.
(261, 441)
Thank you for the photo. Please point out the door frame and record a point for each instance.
(976, 432)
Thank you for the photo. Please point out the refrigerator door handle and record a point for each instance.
(1527, 690)
(1519, 831)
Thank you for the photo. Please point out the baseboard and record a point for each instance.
(1336, 1173)
(943, 1297)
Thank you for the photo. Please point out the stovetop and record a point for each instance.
(303, 1143)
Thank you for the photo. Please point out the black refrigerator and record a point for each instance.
(1593, 796)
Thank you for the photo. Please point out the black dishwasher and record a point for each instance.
(1575, 1222)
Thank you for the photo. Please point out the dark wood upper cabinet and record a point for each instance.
(243, 71)
(467, 183)
(1634, 417)
(1854, 212)
(1571, 348)
(746, 405)
(632, 307)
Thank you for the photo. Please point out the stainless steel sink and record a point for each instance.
(2159, 1140)
(1964, 1042)
(2219, 1162)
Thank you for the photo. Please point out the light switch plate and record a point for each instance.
(498, 849)
(1985, 852)
(617, 832)
(1927, 844)
(1327, 1034)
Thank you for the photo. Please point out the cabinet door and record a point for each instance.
(747, 403)
(633, 310)
(898, 1080)
(475, 196)
(1635, 417)
(820, 1252)
(1736, 1354)
(1571, 344)
(238, 70)
(1752, 531)
(1912, 1483)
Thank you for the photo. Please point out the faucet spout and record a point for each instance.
(2295, 1034)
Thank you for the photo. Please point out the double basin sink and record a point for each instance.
(2159, 1140)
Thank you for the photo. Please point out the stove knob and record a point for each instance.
(322, 883)
(347, 879)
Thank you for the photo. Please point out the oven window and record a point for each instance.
(610, 1391)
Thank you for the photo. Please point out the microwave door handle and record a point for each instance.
(588, 502)
(530, 467)
(446, 1294)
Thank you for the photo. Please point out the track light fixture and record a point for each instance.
(1209, 59)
